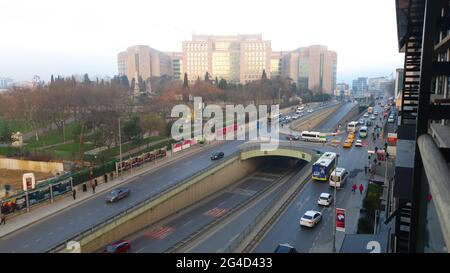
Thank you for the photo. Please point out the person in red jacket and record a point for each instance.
(361, 188)
(353, 188)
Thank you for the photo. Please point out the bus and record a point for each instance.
(323, 167)
(363, 132)
(351, 126)
(370, 110)
(313, 136)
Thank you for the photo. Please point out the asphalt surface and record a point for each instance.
(50, 231)
(287, 228)
(160, 237)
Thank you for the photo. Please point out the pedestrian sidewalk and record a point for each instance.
(26, 219)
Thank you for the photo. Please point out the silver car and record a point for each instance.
(117, 194)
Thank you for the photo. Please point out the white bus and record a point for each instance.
(313, 136)
(338, 177)
(351, 126)
(363, 132)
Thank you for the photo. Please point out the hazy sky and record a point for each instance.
(68, 37)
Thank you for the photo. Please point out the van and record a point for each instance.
(338, 177)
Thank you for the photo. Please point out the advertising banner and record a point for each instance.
(340, 219)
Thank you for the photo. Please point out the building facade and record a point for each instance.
(313, 67)
(359, 86)
(143, 61)
(237, 59)
(177, 65)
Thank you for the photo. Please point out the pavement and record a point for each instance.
(26, 219)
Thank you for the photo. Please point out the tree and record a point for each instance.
(223, 84)
(264, 76)
(217, 82)
(185, 81)
(132, 129)
(151, 123)
(207, 77)
(86, 79)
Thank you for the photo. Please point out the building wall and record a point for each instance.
(144, 61)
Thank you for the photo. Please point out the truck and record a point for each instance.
(370, 110)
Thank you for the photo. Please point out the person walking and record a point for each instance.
(74, 194)
(361, 188)
(353, 188)
(3, 219)
(365, 169)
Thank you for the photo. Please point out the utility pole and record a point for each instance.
(334, 209)
(120, 148)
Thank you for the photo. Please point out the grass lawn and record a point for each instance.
(22, 126)
(52, 137)
(129, 146)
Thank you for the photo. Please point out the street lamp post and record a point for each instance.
(334, 209)
(120, 149)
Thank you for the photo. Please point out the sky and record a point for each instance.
(66, 37)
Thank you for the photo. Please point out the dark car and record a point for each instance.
(217, 155)
(285, 248)
(118, 247)
(117, 194)
(293, 137)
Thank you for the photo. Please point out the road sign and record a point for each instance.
(340, 219)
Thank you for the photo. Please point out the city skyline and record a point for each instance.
(90, 45)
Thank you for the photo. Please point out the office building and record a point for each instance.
(312, 67)
(143, 61)
(177, 65)
(359, 86)
(237, 59)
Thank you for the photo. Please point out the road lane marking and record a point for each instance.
(187, 223)
(221, 203)
(25, 246)
(60, 228)
(140, 250)
(50, 233)
(37, 240)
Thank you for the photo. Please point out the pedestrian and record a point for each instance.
(3, 221)
(387, 155)
(365, 169)
(93, 189)
(353, 188)
(74, 194)
(361, 188)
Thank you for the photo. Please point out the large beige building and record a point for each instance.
(144, 61)
(312, 67)
(238, 59)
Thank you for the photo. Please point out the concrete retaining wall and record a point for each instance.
(175, 200)
(38, 166)
(310, 123)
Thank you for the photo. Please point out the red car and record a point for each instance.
(118, 247)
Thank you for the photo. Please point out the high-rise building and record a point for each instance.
(276, 63)
(312, 67)
(177, 65)
(359, 86)
(398, 81)
(380, 86)
(143, 61)
(237, 59)
(4, 82)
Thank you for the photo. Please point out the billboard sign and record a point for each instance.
(340, 219)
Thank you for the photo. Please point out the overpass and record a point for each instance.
(183, 194)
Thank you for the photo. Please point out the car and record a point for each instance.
(285, 248)
(117, 194)
(325, 199)
(376, 113)
(358, 143)
(391, 120)
(366, 115)
(217, 155)
(311, 218)
(347, 144)
(369, 123)
(121, 246)
(372, 117)
(351, 136)
(310, 110)
(293, 137)
(361, 121)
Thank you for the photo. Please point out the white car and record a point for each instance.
(325, 199)
(361, 122)
(366, 115)
(376, 113)
(358, 143)
(311, 218)
(391, 119)
(372, 117)
(310, 110)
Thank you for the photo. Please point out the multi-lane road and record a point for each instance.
(52, 230)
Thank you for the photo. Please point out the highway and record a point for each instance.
(52, 230)
(182, 226)
(160, 237)
(319, 238)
